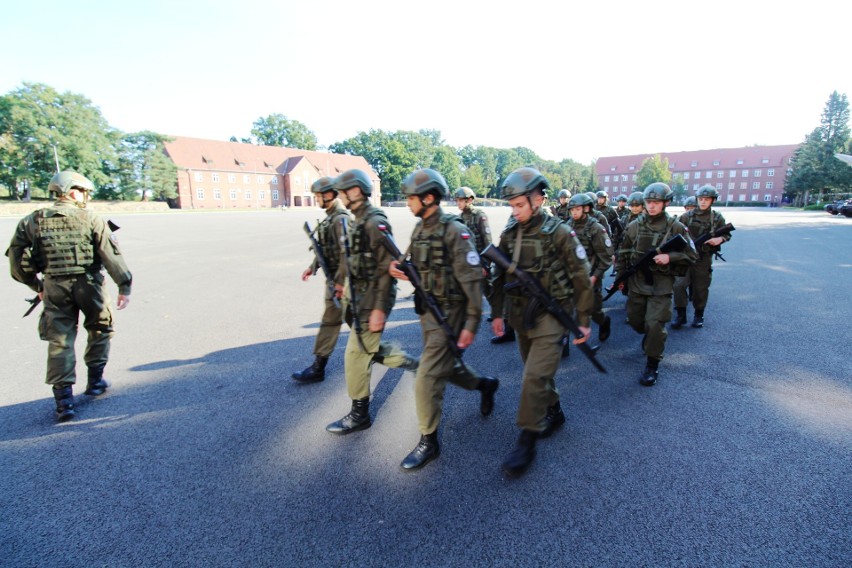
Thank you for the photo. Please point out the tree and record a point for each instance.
(278, 130)
(813, 167)
(653, 169)
(144, 169)
(38, 124)
(447, 161)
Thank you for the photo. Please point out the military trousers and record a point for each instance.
(329, 331)
(649, 315)
(542, 356)
(65, 297)
(597, 310)
(437, 368)
(359, 363)
(698, 280)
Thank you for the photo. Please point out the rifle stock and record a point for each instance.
(675, 244)
(540, 295)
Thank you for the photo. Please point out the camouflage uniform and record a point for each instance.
(700, 274)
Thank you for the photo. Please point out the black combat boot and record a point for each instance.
(650, 374)
(410, 364)
(357, 419)
(698, 320)
(96, 385)
(605, 329)
(517, 462)
(313, 374)
(680, 318)
(64, 397)
(427, 449)
(507, 337)
(487, 386)
(554, 419)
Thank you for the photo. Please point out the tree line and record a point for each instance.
(42, 130)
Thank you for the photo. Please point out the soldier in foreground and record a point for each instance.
(546, 248)
(370, 294)
(70, 246)
(649, 296)
(695, 284)
(450, 270)
(329, 232)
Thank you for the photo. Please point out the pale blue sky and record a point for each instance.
(567, 81)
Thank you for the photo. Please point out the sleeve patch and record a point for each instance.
(581, 252)
(608, 242)
(465, 235)
(473, 258)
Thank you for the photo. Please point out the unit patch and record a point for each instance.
(581, 252)
(473, 258)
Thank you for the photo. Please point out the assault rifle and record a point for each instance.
(353, 295)
(323, 264)
(426, 299)
(675, 244)
(720, 232)
(540, 298)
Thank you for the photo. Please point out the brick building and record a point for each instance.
(750, 174)
(224, 175)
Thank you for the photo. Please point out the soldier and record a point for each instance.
(561, 210)
(695, 284)
(443, 252)
(635, 207)
(602, 205)
(70, 246)
(599, 216)
(690, 203)
(367, 274)
(547, 249)
(477, 221)
(621, 207)
(328, 237)
(649, 305)
(599, 252)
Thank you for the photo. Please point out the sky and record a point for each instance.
(568, 80)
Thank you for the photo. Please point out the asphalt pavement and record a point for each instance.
(204, 452)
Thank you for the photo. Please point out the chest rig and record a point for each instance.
(647, 239)
(65, 244)
(431, 256)
(472, 219)
(698, 226)
(328, 242)
(539, 257)
(363, 262)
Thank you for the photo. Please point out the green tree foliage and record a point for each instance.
(35, 119)
(679, 188)
(278, 130)
(814, 167)
(653, 169)
(144, 169)
(447, 161)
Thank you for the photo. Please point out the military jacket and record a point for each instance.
(65, 240)
(601, 218)
(597, 243)
(329, 234)
(549, 251)
(700, 222)
(443, 251)
(562, 211)
(369, 261)
(477, 221)
(643, 235)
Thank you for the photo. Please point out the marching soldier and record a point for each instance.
(445, 256)
(649, 304)
(599, 216)
(546, 248)
(621, 208)
(695, 285)
(70, 247)
(329, 233)
(373, 299)
(635, 207)
(690, 203)
(477, 221)
(561, 210)
(599, 252)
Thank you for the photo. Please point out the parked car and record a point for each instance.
(846, 208)
(834, 206)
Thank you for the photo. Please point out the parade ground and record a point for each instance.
(204, 451)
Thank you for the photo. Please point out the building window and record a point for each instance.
(232, 178)
(259, 179)
(606, 179)
(233, 195)
(612, 169)
(214, 177)
(623, 177)
(274, 195)
(731, 186)
(217, 193)
(720, 174)
(769, 185)
(261, 195)
(718, 187)
(697, 175)
(744, 173)
(199, 176)
(606, 188)
(732, 173)
(274, 180)
(247, 194)
(770, 172)
(694, 164)
(757, 173)
(767, 197)
(742, 197)
(685, 175)
(631, 168)
(755, 197)
(633, 177)
(739, 163)
(246, 179)
(708, 175)
(744, 185)
(199, 193)
(716, 163)
(764, 161)
(695, 187)
(755, 185)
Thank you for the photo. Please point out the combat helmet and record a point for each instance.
(63, 182)
(421, 182)
(354, 178)
(657, 191)
(323, 184)
(465, 193)
(601, 193)
(636, 198)
(690, 202)
(707, 191)
(621, 198)
(522, 181)
(580, 199)
(563, 193)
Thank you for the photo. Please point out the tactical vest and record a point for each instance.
(648, 239)
(65, 243)
(471, 219)
(330, 245)
(363, 263)
(540, 258)
(431, 256)
(697, 226)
